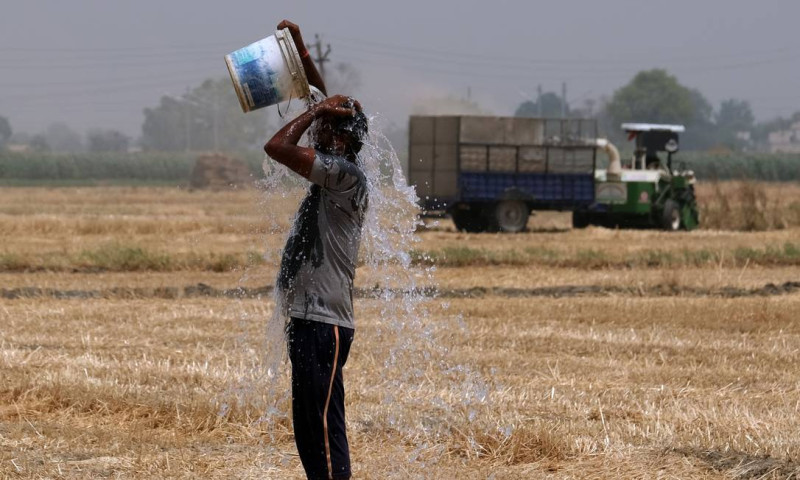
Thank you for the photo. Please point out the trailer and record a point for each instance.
(490, 173)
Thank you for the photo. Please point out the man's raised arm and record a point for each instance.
(283, 146)
(312, 75)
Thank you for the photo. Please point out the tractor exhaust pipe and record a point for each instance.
(614, 171)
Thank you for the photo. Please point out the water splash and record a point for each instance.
(261, 384)
(418, 377)
(425, 392)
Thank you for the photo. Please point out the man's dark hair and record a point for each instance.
(354, 127)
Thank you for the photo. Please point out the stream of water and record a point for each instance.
(426, 392)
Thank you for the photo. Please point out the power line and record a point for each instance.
(129, 84)
(420, 56)
(477, 66)
(561, 60)
(184, 47)
(26, 56)
(125, 80)
(181, 51)
(160, 50)
(106, 65)
(433, 70)
(95, 91)
(575, 66)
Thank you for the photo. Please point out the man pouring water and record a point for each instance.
(318, 267)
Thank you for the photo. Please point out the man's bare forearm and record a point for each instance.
(283, 148)
(312, 75)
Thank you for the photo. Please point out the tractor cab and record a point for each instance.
(652, 140)
(653, 143)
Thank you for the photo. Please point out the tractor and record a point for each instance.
(649, 191)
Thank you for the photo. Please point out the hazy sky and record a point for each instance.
(97, 63)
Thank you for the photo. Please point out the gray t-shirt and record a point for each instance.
(319, 260)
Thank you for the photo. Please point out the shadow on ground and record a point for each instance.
(744, 466)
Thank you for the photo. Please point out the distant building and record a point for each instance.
(785, 141)
(18, 147)
(744, 136)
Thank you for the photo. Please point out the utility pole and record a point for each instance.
(215, 121)
(187, 113)
(563, 99)
(321, 57)
(188, 116)
(539, 101)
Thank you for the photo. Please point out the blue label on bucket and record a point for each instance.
(258, 78)
(247, 54)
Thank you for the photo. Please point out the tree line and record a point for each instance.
(655, 96)
(208, 117)
(60, 137)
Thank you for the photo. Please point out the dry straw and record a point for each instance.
(622, 384)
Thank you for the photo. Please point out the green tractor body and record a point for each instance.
(648, 191)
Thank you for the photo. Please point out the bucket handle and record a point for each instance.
(288, 105)
(314, 96)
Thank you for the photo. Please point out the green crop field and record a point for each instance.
(174, 168)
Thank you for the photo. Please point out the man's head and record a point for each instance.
(341, 135)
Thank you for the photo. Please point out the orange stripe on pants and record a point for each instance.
(328, 401)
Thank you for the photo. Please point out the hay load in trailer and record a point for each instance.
(489, 173)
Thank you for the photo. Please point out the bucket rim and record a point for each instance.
(293, 60)
(237, 85)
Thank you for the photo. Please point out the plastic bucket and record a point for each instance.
(267, 72)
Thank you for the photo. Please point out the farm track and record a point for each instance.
(562, 291)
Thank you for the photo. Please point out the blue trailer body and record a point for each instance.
(540, 191)
(543, 191)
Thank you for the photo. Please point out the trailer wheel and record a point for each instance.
(580, 219)
(671, 216)
(511, 216)
(472, 221)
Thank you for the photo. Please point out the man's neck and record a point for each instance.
(349, 156)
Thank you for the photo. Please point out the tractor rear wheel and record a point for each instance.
(511, 216)
(690, 217)
(671, 216)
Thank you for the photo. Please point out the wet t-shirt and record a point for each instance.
(319, 260)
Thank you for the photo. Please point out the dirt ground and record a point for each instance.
(543, 368)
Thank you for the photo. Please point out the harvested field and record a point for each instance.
(557, 353)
